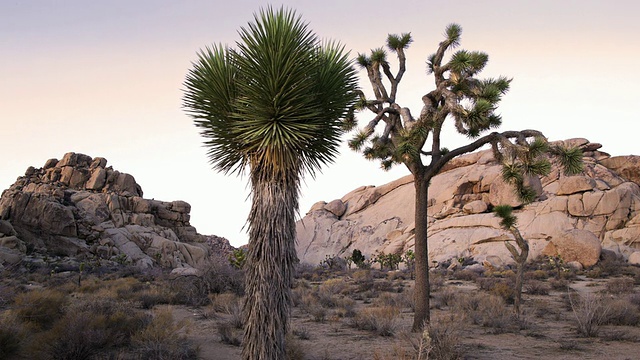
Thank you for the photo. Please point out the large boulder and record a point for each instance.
(574, 216)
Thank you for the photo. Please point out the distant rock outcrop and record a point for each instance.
(78, 207)
(574, 217)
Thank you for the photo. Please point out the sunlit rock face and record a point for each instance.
(81, 208)
(574, 216)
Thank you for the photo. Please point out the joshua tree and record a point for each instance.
(470, 103)
(508, 222)
(275, 106)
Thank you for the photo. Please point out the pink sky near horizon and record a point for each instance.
(105, 79)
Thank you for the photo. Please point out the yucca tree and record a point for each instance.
(519, 161)
(460, 97)
(276, 106)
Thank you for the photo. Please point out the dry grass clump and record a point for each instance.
(381, 320)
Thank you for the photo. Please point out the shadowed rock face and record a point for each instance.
(79, 207)
(574, 216)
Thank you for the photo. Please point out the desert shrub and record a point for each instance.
(229, 334)
(40, 307)
(151, 297)
(536, 287)
(621, 312)
(388, 299)
(444, 298)
(346, 307)
(537, 274)
(465, 275)
(443, 339)
(504, 290)
(13, 334)
(230, 304)
(304, 271)
(381, 320)
(623, 285)
(357, 258)
(332, 286)
(294, 350)
(161, 339)
(334, 264)
(590, 313)
(7, 295)
(386, 285)
(487, 310)
(436, 281)
(635, 299)
(189, 290)
(559, 284)
(220, 276)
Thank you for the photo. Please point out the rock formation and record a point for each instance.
(78, 207)
(575, 217)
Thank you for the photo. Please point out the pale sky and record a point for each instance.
(104, 78)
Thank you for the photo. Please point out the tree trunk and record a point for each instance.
(270, 264)
(421, 287)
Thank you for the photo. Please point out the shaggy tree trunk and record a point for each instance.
(270, 264)
(421, 286)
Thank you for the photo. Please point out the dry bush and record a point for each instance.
(621, 312)
(536, 287)
(162, 339)
(294, 349)
(89, 328)
(439, 340)
(384, 320)
(189, 290)
(436, 281)
(590, 313)
(537, 274)
(13, 335)
(444, 337)
(219, 276)
(487, 310)
(229, 334)
(618, 286)
(444, 298)
(389, 299)
(229, 304)
(559, 284)
(149, 298)
(302, 333)
(40, 307)
(465, 275)
(635, 299)
(345, 307)
(541, 308)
